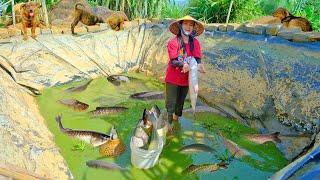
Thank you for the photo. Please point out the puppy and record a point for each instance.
(28, 15)
(290, 21)
(116, 20)
(85, 17)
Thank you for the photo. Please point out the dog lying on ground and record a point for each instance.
(28, 15)
(85, 17)
(290, 21)
(116, 20)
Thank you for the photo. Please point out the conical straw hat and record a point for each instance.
(198, 27)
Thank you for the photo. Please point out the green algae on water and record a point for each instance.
(171, 163)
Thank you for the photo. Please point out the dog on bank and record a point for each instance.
(116, 20)
(85, 17)
(28, 15)
(290, 21)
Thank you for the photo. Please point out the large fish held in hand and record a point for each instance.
(193, 83)
(91, 137)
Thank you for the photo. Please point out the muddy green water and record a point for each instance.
(263, 161)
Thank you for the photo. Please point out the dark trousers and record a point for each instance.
(175, 96)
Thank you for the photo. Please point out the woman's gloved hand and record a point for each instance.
(185, 68)
(201, 68)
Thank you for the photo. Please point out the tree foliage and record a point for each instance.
(246, 10)
(209, 10)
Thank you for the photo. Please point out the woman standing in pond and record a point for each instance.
(180, 48)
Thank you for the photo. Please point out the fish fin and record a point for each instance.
(275, 137)
(113, 133)
(58, 120)
(144, 114)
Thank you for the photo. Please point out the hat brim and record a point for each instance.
(198, 26)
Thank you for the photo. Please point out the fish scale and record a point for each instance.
(100, 111)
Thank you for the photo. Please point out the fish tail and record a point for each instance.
(275, 137)
(58, 120)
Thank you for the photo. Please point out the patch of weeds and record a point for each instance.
(79, 147)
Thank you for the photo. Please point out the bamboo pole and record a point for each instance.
(122, 5)
(45, 11)
(229, 11)
(13, 14)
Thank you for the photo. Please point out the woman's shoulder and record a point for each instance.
(196, 40)
(173, 42)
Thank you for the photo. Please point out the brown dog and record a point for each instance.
(116, 20)
(85, 17)
(27, 14)
(290, 21)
